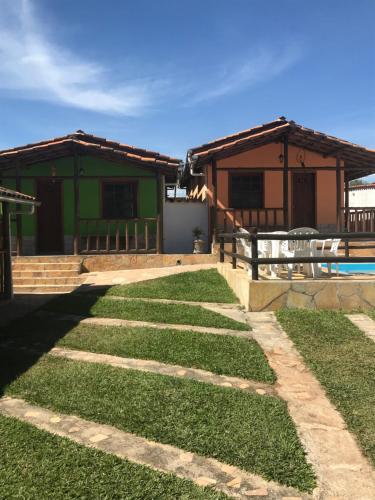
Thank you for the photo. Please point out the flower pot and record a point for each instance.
(198, 246)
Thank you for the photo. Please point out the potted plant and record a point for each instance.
(198, 243)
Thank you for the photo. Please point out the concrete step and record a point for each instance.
(43, 289)
(46, 273)
(46, 266)
(72, 281)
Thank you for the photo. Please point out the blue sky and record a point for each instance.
(169, 75)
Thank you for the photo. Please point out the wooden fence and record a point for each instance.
(255, 261)
(139, 235)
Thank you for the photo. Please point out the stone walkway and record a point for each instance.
(132, 323)
(232, 311)
(203, 471)
(222, 305)
(123, 277)
(342, 470)
(364, 323)
(146, 365)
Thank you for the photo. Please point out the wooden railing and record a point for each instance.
(141, 235)
(358, 219)
(229, 219)
(255, 261)
(2, 273)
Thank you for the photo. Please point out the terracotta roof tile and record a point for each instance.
(91, 142)
(300, 136)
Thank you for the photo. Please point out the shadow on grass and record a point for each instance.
(25, 340)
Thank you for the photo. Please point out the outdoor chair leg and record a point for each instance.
(329, 268)
(290, 271)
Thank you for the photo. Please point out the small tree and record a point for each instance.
(197, 232)
(357, 182)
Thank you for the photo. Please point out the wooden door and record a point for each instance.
(50, 238)
(304, 199)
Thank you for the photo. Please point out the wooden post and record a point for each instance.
(222, 246)
(160, 194)
(346, 188)
(286, 183)
(214, 200)
(8, 279)
(254, 253)
(346, 213)
(76, 242)
(234, 250)
(338, 194)
(19, 249)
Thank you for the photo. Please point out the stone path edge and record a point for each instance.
(364, 323)
(151, 366)
(342, 470)
(246, 334)
(224, 305)
(165, 458)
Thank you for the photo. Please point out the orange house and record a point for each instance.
(279, 175)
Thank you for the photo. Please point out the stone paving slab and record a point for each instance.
(165, 369)
(132, 323)
(364, 323)
(224, 305)
(203, 471)
(342, 470)
(126, 276)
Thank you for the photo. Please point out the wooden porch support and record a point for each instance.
(338, 194)
(160, 194)
(19, 249)
(214, 200)
(286, 182)
(346, 201)
(76, 244)
(8, 279)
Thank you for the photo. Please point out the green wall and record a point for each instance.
(89, 188)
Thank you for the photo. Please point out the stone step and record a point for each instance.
(43, 289)
(71, 281)
(46, 266)
(76, 259)
(54, 273)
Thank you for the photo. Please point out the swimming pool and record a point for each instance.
(358, 268)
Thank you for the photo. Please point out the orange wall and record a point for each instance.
(268, 156)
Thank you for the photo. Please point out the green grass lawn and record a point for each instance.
(221, 354)
(253, 432)
(37, 465)
(343, 359)
(141, 310)
(206, 285)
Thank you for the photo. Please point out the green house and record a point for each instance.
(97, 196)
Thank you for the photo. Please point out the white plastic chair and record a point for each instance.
(329, 249)
(299, 248)
(264, 248)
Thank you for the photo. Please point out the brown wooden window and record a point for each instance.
(119, 200)
(246, 190)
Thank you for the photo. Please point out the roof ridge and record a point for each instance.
(281, 120)
(82, 138)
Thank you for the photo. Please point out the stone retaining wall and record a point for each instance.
(96, 263)
(270, 295)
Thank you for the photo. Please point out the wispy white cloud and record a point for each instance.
(264, 64)
(35, 68)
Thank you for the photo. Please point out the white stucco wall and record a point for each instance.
(180, 218)
(362, 197)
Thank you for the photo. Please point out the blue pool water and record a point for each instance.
(365, 268)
